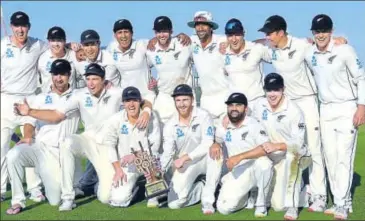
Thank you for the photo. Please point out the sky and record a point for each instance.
(77, 16)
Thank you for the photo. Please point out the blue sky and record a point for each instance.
(77, 16)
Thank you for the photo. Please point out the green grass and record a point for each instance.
(90, 209)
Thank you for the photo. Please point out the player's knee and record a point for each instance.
(177, 204)
(120, 197)
(225, 207)
(13, 155)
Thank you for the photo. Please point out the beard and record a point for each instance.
(238, 118)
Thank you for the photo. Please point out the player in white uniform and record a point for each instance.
(90, 41)
(19, 55)
(242, 134)
(209, 64)
(120, 137)
(95, 104)
(285, 125)
(129, 57)
(43, 154)
(243, 63)
(57, 41)
(287, 57)
(340, 79)
(187, 137)
(172, 62)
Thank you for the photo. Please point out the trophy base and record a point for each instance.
(156, 188)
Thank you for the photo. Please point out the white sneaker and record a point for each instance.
(260, 211)
(37, 196)
(318, 205)
(67, 205)
(152, 203)
(291, 214)
(341, 213)
(208, 209)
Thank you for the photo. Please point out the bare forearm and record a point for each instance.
(46, 115)
(252, 154)
(116, 165)
(28, 131)
(146, 104)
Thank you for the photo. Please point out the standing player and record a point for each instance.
(340, 79)
(242, 63)
(57, 41)
(187, 137)
(19, 56)
(242, 134)
(95, 104)
(284, 122)
(90, 41)
(287, 56)
(130, 59)
(171, 60)
(43, 154)
(120, 137)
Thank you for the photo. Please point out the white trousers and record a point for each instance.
(287, 182)
(317, 176)
(123, 194)
(84, 145)
(45, 160)
(214, 103)
(165, 106)
(9, 122)
(339, 138)
(237, 183)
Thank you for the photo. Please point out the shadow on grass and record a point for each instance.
(85, 200)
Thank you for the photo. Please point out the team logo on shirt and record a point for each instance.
(124, 129)
(245, 55)
(263, 133)
(68, 96)
(158, 60)
(106, 99)
(211, 48)
(291, 54)
(196, 49)
(193, 128)
(115, 56)
(314, 61)
(176, 55)
(48, 100)
(210, 131)
(244, 135)
(131, 53)
(88, 102)
(227, 60)
(301, 126)
(264, 115)
(359, 64)
(330, 59)
(48, 66)
(274, 56)
(280, 117)
(9, 53)
(179, 133)
(228, 136)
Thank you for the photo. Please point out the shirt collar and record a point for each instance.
(244, 123)
(125, 115)
(194, 114)
(132, 47)
(68, 91)
(281, 108)
(64, 57)
(171, 47)
(329, 47)
(27, 45)
(98, 58)
(248, 46)
(103, 94)
(288, 43)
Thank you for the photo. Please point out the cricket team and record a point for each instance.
(233, 139)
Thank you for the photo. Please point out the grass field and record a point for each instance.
(90, 209)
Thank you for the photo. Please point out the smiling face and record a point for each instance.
(322, 38)
(95, 84)
(184, 105)
(60, 81)
(275, 37)
(163, 37)
(203, 31)
(236, 112)
(57, 46)
(124, 38)
(20, 33)
(132, 107)
(235, 42)
(91, 50)
(275, 97)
